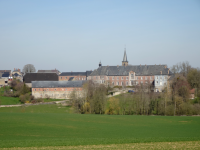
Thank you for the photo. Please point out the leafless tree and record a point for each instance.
(29, 68)
(182, 68)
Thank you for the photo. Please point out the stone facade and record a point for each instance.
(56, 89)
(55, 93)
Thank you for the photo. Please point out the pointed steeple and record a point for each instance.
(100, 64)
(125, 61)
(125, 57)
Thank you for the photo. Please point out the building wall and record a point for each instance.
(66, 78)
(2, 82)
(160, 82)
(55, 93)
(122, 80)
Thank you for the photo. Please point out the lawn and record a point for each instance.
(54, 125)
(9, 100)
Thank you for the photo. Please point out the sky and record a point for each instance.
(75, 35)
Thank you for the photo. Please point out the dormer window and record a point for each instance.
(132, 76)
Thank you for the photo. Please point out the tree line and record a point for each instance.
(173, 100)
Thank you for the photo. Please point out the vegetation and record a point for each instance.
(143, 146)
(55, 125)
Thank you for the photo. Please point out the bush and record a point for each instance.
(113, 106)
(170, 110)
(25, 98)
(186, 109)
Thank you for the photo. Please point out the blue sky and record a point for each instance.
(76, 35)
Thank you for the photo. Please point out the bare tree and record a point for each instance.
(29, 68)
(182, 68)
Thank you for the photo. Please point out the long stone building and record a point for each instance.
(129, 75)
(56, 89)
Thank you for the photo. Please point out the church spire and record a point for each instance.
(125, 61)
(125, 57)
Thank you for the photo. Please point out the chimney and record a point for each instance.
(165, 67)
(168, 71)
(159, 64)
(145, 65)
(117, 66)
(155, 64)
(140, 65)
(160, 72)
(14, 68)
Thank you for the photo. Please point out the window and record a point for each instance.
(122, 78)
(65, 77)
(112, 83)
(117, 78)
(157, 82)
(145, 78)
(126, 78)
(65, 89)
(60, 77)
(126, 83)
(151, 78)
(113, 78)
(132, 76)
(165, 84)
(35, 89)
(146, 82)
(108, 78)
(136, 83)
(160, 83)
(39, 89)
(141, 78)
(96, 77)
(55, 89)
(137, 78)
(166, 78)
(122, 83)
(141, 82)
(160, 78)
(157, 77)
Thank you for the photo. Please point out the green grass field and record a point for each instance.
(9, 100)
(54, 125)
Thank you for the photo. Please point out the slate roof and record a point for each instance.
(54, 84)
(16, 75)
(142, 70)
(87, 73)
(5, 75)
(29, 77)
(48, 71)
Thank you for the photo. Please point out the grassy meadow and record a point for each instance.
(55, 125)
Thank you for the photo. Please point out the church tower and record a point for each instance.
(125, 61)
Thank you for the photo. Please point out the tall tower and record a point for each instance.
(125, 61)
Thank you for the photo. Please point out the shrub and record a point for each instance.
(186, 109)
(113, 106)
(25, 98)
(170, 110)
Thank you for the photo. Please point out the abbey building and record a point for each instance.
(132, 75)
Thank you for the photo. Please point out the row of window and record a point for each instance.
(161, 83)
(54, 89)
(122, 78)
(75, 78)
(127, 83)
(160, 77)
